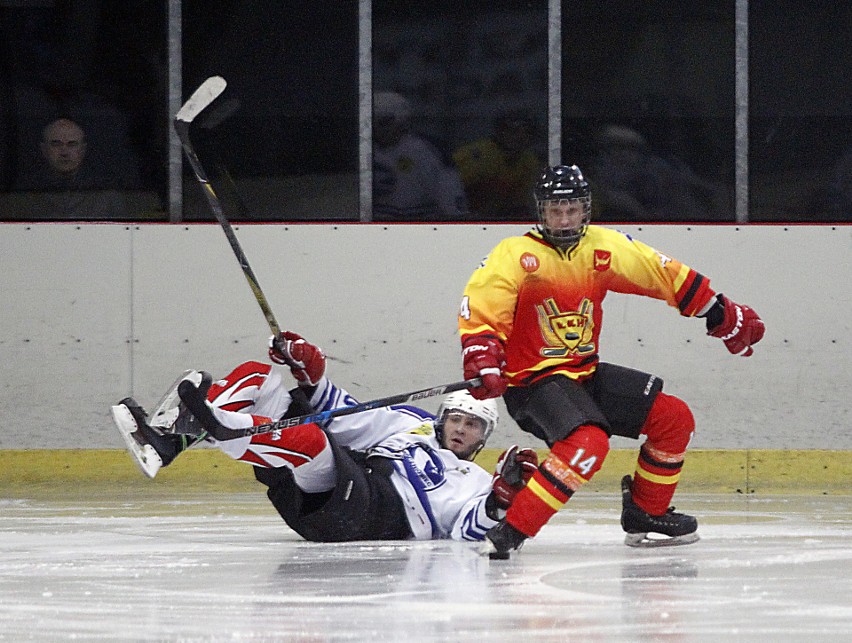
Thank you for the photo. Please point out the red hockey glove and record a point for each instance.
(740, 327)
(484, 357)
(306, 361)
(514, 469)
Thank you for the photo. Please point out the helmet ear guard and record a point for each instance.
(563, 183)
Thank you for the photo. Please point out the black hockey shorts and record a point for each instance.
(616, 399)
(364, 505)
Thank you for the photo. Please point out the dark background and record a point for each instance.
(665, 70)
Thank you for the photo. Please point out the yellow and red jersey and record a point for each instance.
(546, 305)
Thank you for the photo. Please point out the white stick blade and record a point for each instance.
(209, 91)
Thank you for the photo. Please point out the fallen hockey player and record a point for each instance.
(390, 473)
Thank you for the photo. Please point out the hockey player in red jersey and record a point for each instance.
(384, 474)
(530, 320)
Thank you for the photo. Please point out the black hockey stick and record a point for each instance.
(210, 121)
(206, 93)
(196, 403)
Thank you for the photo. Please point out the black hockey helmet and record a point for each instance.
(563, 183)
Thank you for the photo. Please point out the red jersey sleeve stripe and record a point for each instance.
(693, 294)
(481, 335)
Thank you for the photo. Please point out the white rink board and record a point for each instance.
(95, 312)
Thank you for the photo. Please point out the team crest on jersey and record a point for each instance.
(529, 262)
(603, 259)
(424, 465)
(566, 332)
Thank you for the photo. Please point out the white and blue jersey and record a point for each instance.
(444, 497)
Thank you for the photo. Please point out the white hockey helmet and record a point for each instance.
(464, 402)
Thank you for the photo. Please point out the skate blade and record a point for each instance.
(144, 455)
(650, 540)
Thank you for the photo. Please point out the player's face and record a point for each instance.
(64, 147)
(564, 214)
(463, 433)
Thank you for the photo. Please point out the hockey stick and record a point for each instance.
(197, 404)
(207, 92)
(210, 121)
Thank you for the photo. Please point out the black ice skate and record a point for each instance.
(671, 528)
(501, 540)
(154, 447)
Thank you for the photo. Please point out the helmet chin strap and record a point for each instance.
(468, 457)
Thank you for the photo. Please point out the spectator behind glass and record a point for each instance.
(497, 171)
(410, 180)
(637, 184)
(66, 185)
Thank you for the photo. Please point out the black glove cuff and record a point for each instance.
(492, 509)
(716, 314)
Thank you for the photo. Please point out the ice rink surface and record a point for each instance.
(223, 567)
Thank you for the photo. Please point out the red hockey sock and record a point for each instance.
(669, 427)
(296, 445)
(239, 389)
(569, 465)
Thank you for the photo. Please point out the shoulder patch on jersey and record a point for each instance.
(529, 262)
(603, 259)
(423, 429)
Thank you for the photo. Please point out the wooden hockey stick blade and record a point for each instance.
(197, 405)
(206, 93)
